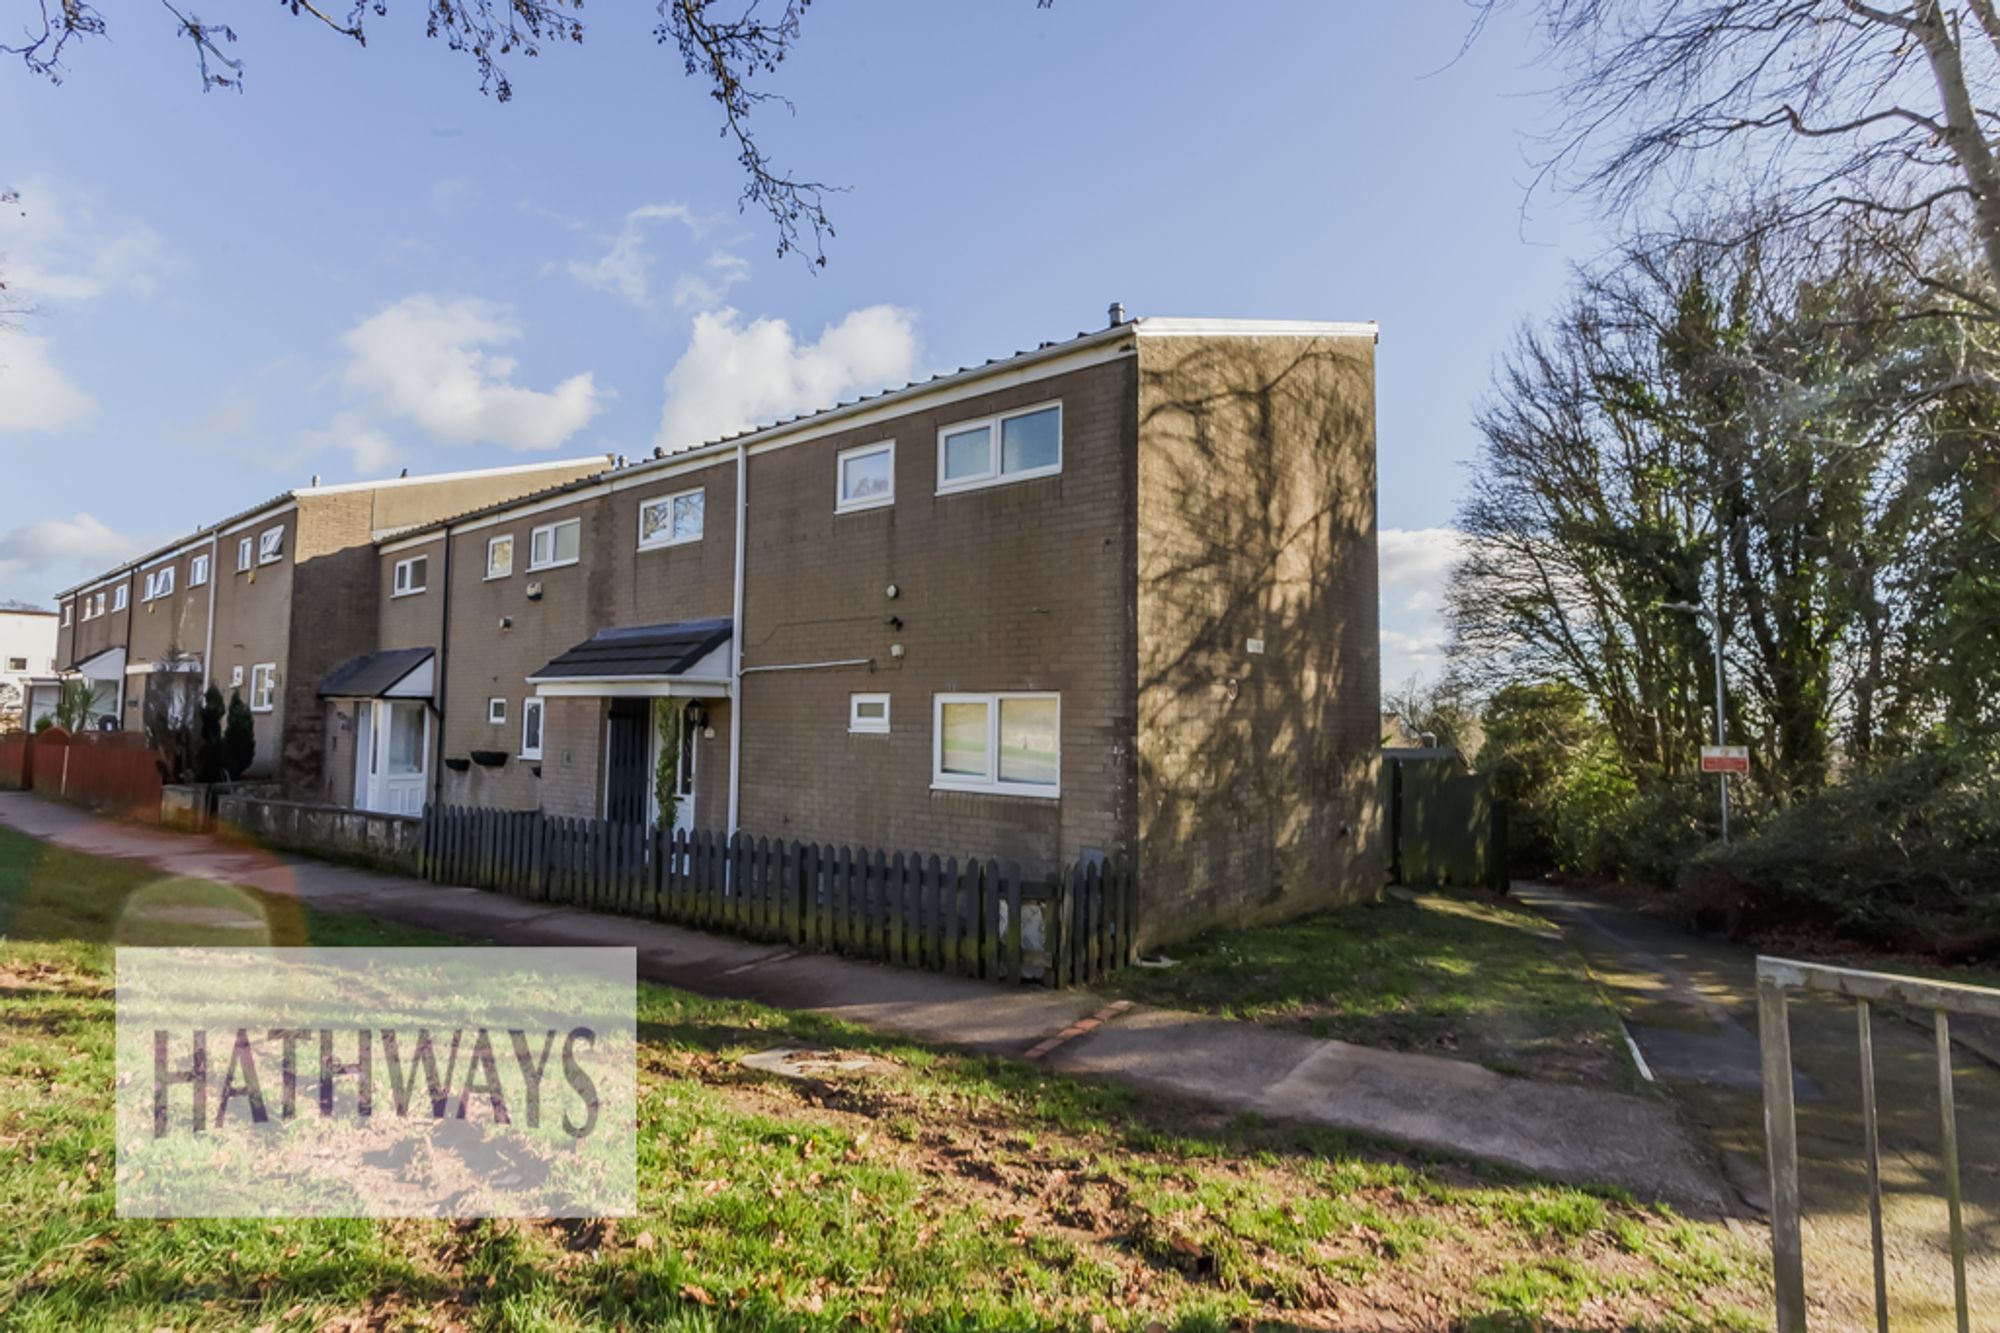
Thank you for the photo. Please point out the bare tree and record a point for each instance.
(1883, 115)
(725, 43)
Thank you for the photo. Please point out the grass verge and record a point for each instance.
(928, 1190)
(1443, 972)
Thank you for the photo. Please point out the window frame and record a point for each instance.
(992, 784)
(668, 499)
(97, 603)
(860, 726)
(159, 583)
(396, 588)
(121, 597)
(198, 570)
(268, 672)
(246, 554)
(533, 705)
(277, 547)
(993, 476)
(21, 669)
(534, 566)
(843, 505)
(492, 542)
(496, 710)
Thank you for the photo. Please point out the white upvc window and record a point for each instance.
(1012, 446)
(1009, 743)
(500, 556)
(669, 520)
(531, 728)
(412, 576)
(271, 545)
(97, 605)
(865, 477)
(66, 613)
(263, 686)
(160, 582)
(198, 571)
(868, 714)
(242, 554)
(121, 597)
(555, 544)
(496, 711)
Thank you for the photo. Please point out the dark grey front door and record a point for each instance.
(627, 775)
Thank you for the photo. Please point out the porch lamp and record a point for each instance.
(1693, 609)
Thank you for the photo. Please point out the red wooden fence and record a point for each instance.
(115, 771)
(17, 761)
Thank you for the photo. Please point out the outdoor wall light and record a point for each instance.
(697, 716)
(534, 591)
(892, 592)
(506, 622)
(896, 651)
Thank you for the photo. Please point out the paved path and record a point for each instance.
(1690, 1002)
(1569, 1133)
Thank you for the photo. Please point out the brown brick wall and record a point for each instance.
(613, 583)
(572, 754)
(1022, 586)
(1256, 519)
(253, 623)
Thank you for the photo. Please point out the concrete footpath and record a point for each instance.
(1567, 1133)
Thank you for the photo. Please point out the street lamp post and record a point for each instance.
(1716, 621)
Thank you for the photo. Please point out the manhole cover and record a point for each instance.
(804, 1062)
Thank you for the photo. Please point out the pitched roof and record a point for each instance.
(372, 674)
(639, 650)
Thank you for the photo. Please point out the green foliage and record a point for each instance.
(210, 761)
(669, 716)
(75, 699)
(1904, 854)
(239, 738)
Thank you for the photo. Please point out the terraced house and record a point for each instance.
(1114, 594)
(263, 602)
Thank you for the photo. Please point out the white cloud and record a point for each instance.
(52, 552)
(34, 394)
(425, 360)
(1414, 566)
(372, 450)
(625, 269)
(736, 375)
(58, 249)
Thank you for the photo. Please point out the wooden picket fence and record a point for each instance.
(965, 917)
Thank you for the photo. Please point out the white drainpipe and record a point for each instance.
(736, 644)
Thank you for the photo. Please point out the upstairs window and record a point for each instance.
(670, 519)
(66, 610)
(555, 544)
(1013, 446)
(867, 477)
(412, 575)
(17, 664)
(868, 713)
(198, 571)
(97, 606)
(500, 557)
(160, 582)
(121, 597)
(242, 554)
(270, 546)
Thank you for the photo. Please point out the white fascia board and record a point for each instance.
(262, 517)
(1156, 327)
(471, 474)
(176, 553)
(629, 687)
(407, 543)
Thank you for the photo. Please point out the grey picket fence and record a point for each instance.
(976, 917)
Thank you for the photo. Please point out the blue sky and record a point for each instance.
(361, 264)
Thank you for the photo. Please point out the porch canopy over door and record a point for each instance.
(688, 659)
(391, 692)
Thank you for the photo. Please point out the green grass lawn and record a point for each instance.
(1461, 974)
(930, 1191)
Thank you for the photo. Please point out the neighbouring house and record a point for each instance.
(1112, 596)
(263, 603)
(27, 654)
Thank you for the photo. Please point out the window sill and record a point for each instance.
(553, 564)
(271, 560)
(997, 789)
(1005, 479)
(408, 592)
(495, 578)
(531, 756)
(863, 506)
(671, 541)
(867, 731)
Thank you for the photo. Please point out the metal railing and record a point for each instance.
(1777, 978)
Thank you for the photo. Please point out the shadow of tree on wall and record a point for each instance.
(1256, 521)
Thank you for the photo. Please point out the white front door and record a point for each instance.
(405, 755)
